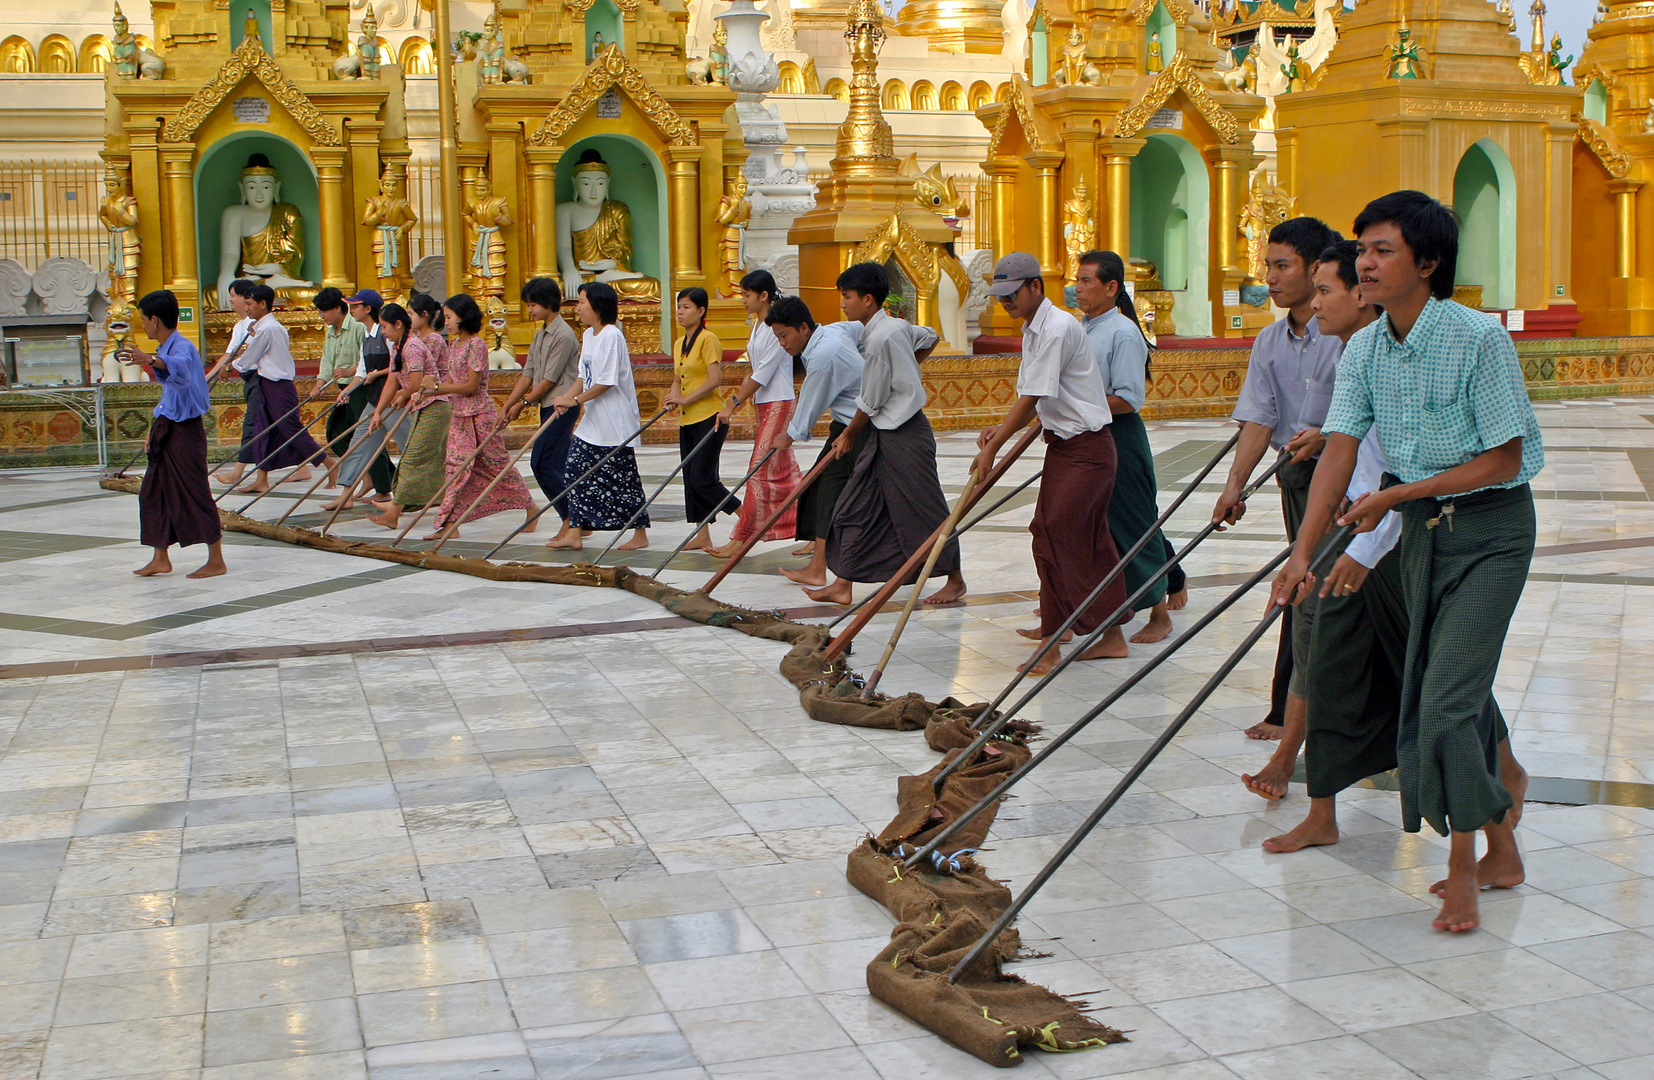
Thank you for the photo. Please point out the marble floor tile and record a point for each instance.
(1241, 1020)
(1478, 1047)
(292, 1029)
(434, 1012)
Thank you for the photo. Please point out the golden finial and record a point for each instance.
(864, 139)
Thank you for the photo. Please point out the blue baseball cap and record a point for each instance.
(369, 297)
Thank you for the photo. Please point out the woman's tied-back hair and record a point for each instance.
(427, 307)
(763, 283)
(396, 315)
(466, 312)
(1430, 229)
(1110, 267)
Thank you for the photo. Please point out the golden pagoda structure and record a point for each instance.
(1612, 163)
(1434, 95)
(870, 209)
(1120, 99)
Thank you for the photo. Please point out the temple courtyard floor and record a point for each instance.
(332, 818)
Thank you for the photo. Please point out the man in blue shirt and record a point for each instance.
(1442, 387)
(832, 379)
(175, 503)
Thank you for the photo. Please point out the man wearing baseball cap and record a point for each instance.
(1060, 383)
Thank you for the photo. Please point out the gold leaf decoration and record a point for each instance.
(1177, 76)
(896, 237)
(1035, 128)
(611, 68)
(249, 57)
(1601, 142)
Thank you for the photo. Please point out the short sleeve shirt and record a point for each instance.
(1452, 390)
(464, 357)
(772, 366)
(340, 348)
(184, 394)
(553, 357)
(611, 418)
(1122, 355)
(1288, 380)
(691, 369)
(1058, 368)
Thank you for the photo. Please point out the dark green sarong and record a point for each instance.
(1133, 509)
(1462, 580)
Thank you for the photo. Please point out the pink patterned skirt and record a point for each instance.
(467, 481)
(772, 484)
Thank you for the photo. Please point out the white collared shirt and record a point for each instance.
(772, 366)
(361, 355)
(270, 352)
(892, 390)
(1059, 369)
(1370, 466)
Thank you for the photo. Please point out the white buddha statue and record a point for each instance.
(594, 236)
(262, 238)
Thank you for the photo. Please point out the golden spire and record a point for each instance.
(864, 141)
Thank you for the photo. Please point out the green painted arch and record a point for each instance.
(637, 179)
(603, 17)
(218, 186)
(1595, 105)
(1170, 223)
(1160, 22)
(238, 19)
(1484, 194)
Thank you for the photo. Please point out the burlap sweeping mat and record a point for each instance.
(941, 909)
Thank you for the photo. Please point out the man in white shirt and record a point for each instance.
(1350, 645)
(1059, 382)
(832, 380)
(893, 500)
(268, 361)
(238, 290)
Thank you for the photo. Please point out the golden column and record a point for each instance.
(330, 184)
(453, 225)
(542, 200)
(1004, 231)
(1625, 226)
(684, 168)
(1230, 178)
(176, 173)
(1050, 215)
(1117, 200)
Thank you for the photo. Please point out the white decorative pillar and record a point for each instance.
(778, 193)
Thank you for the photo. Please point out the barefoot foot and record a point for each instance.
(951, 593)
(807, 575)
(638, 542)
(1177, 600)
(836, 593)
(1158, 628)
(1309, 833)
(210, 568)
(154, 567)
(1033, 634)
(1459, 910)
(1264, 732)
(1111, 646)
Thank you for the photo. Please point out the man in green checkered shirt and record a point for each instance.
(1442, 386)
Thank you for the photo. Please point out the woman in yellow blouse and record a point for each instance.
(696, 391)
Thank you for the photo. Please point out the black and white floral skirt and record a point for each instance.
(609, 497)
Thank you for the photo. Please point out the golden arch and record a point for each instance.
(953, 96)
(792, 79)
(57, 56)
(1003, 94)
(838, 88)
(416, 57)
(895, 95)
(981, 94)
(924, 95)
(16, 56)
(94, 54)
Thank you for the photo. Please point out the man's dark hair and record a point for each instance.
(161, 304)
(603, 299)
(867, 278)
(1428, 227)
(329, 299)
(1343, 255)
(466, 312)
(791, 311)
(543, 291)
(243, 287)
(1306, 235)
(763, 283)
(262, 294)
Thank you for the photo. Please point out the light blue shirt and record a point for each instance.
(1452, 390)
(1288, 380)
(832, 377)
(1122, 354)
(184, 393)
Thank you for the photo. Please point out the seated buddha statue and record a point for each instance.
(594, 236)
(262, 238)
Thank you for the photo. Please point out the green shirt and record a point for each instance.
(1451, 391)
(341, 350)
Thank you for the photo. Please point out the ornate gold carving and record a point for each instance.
(865, 145)
(582, 6)
(1606, 147)
(896, 237)
(1179, 75)
(1180, 13)
(1590, 70)
(611, 68)
(249, 57)
(1483, 109)
(1042, 138)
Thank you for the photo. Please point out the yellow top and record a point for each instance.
(693, 370)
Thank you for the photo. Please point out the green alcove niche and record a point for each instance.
(218, 185)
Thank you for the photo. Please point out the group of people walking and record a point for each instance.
(1394, 411)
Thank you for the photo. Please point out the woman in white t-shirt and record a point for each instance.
(610, 497)
(770, 389)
